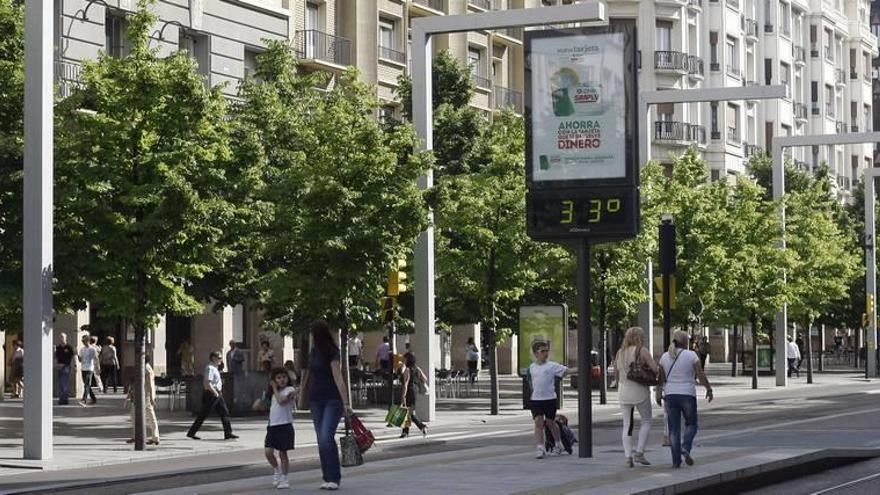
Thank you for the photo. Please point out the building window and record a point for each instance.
(713, 120)
(114, 35)
(829, 101)
(196, 46)
(785, 18)
(785, 77)
(732, 56)
(313, 16)
(733, 131)
(386, 113)
(478, 69)
(250, 62)
(713, 49)
(666, 112)
(386, 34)
(664, 36)
(829, 45)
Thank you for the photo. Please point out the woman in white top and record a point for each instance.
(680, 370)
(633, 395)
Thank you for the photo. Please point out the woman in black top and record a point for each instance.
(410, 381)
(328, 400)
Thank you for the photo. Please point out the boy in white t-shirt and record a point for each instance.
(542, 377)
(279, 433)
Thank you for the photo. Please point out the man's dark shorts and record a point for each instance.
(546, 408)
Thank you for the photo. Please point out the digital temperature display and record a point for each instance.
(560, 214)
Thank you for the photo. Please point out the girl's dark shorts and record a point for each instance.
(279, 437)
(546, 408)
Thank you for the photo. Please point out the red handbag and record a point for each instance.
(362, 435)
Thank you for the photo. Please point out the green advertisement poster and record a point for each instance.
(541, 324)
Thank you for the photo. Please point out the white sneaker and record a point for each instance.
(540, 453)
(324, 485)
(332, 486)
(557, 449)
(275, 479)
(283, 483)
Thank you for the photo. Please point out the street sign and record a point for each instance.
(581, 133)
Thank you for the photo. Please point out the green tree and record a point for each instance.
(825, 261)
(142, 149)
(11, 160)
(753, 259)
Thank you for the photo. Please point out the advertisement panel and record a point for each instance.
(542, 324)
(578, 107)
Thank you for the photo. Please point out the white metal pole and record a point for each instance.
(871, 271)
(782, 316)
(37, 229)
(423, 118)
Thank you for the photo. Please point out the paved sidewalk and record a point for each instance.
(95, 437)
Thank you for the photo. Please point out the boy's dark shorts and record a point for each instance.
(546, 408)
(279, 437)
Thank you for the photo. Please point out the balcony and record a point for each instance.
(799, 55)
(853, 128)
(840, 77)
(671, 61)
(505, 97)
(481, 81)
(679, 132)
(431, 4)
(481, 4)
(67, 77)
(768, 28)
(695, 66)
(800, 111)
(696, 5)
(322, 47)
(751, 28)
(392, 55)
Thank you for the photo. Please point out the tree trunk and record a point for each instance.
(756, 322)
(493, 364)
(809, 350)
(733, 355)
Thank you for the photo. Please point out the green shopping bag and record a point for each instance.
(400, 416)
(391, 411)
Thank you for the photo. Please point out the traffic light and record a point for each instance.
(396, 279)
(389, 307)
(658, 296)
(869, 311)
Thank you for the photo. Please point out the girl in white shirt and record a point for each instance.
(680, 369)
(279, 433)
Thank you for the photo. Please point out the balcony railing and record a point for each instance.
(814, 51)
(853, 74)
(751, 149)
(841, 127)
(668, 60)
(768, 28)
(431, 4)
(667, 130)
(751, 28)
(839, 76)
(318, 45)
(392, 55)
(483, 4)
(853, 128)
(67, 77)
(799, 54)
(814, 108)
(714, 67)
(695, 65)
(800, 111)
(481, 81)
(506, 97)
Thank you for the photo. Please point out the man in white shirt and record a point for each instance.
(793, 354)
(212, 399)
(542, 378)
(355, 346)
(88, 358)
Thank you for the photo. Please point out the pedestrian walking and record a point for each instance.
(355, 346)
(703, 351)
(17, 376)
(544, 402)
(187, 359)
(64, 355)
(327, 399)
(150, 418)
(632, 395)
(680, 369)
(109, 364)
(473, 359)
(88, 359)
(383, 355)
(212, 399)
(235, 358)
(279, 432)
(793, 356)
(413, 381)
(266, 357)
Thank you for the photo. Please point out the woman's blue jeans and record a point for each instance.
(325, 416)
(676, 406)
